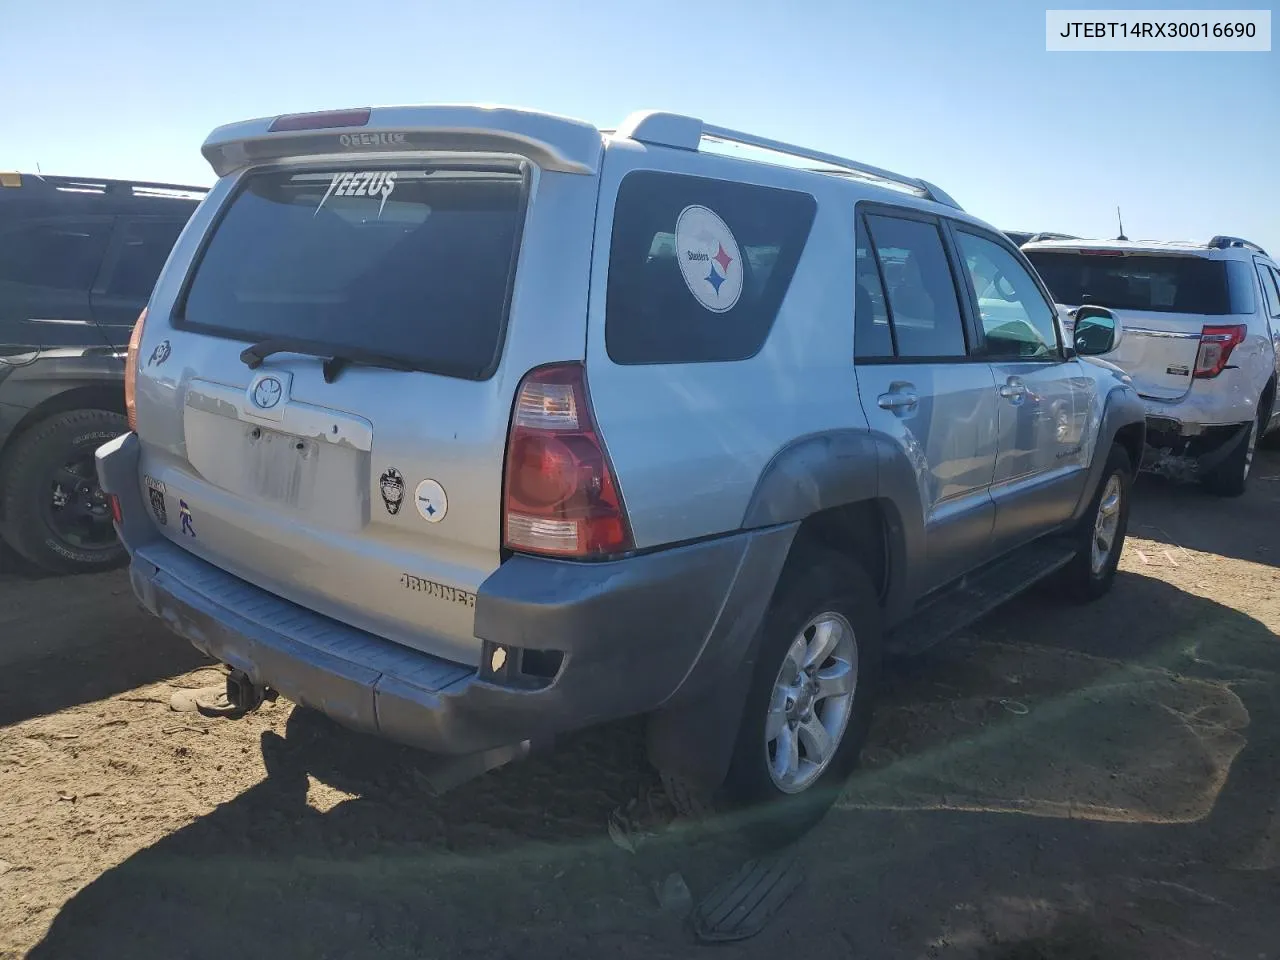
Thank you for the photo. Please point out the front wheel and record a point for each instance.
(809, 705)
(1101, 533)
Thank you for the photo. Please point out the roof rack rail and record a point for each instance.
(1035, 237)
(1224, 242)
(687, 133)
(101, 184)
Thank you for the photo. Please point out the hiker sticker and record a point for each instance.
(184, 513)
(431, 501)
(364, 183)
(160, 354)
(155, 490)
(391, 485)
(709, 259)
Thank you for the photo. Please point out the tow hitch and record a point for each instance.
(237, 697)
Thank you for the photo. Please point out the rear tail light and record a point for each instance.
(1216, 344)
(131, 371)
(561, 497)
(117, 514)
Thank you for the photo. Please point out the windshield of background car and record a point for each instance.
(415, 263)
(1165, 284)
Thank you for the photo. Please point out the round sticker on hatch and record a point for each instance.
(431, 501)
(710, 261)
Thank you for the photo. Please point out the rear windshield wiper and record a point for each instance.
(334, 362)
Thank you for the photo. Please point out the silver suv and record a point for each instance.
(471, 426)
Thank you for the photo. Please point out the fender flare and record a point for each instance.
(693, 733)
(1122, 409)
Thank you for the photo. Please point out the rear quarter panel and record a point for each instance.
(689, 441)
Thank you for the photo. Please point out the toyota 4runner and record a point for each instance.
(469, 427)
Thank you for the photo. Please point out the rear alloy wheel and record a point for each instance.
(806, 714)
(1231, 476)
(811, 702)
(55, 514)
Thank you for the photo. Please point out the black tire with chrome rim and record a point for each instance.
(809, 706)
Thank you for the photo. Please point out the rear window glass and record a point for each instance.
(412, 263)
(698, 268)
(1140, 282)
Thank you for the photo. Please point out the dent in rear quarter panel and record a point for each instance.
(690, 441)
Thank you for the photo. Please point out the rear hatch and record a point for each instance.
(324, 408)
(1164, 301)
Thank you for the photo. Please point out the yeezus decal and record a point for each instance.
(363, 183)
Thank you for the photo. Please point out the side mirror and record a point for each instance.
(1096, 331)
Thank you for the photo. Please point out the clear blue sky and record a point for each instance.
(961, 93)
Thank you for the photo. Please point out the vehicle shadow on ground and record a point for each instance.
(986, 822)
(49, 661)
(1184, 515)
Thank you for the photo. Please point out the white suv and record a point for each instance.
(1201, 340)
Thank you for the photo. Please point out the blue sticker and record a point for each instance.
(184, 512)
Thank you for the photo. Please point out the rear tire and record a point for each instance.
(1231, 476)
(821, 637)
(1102, 531)
(35, 476)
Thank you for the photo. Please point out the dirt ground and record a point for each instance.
(1057, 782)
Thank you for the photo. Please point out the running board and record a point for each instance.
(977, 594)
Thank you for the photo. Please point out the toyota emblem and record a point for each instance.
(267, 392)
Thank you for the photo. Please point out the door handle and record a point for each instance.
(1014, 390)
(898, 400)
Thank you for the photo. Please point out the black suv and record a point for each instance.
(78, 258)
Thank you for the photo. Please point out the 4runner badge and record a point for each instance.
(709, 258)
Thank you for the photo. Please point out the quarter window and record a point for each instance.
(698, 268)
(1017, 321)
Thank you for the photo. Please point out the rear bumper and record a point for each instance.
(627, 636)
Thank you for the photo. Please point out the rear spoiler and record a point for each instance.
(553, 143)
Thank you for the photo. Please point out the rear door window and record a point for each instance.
(60, 254)
(415, 263)
(1165, 284)
(921, 292)
(872, 334)
(144, 247)
(698, 268)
